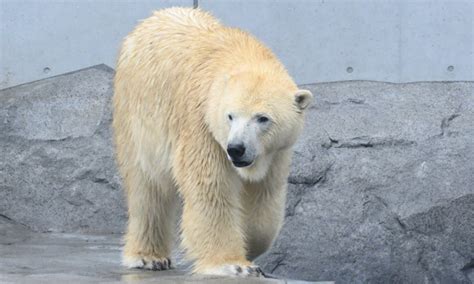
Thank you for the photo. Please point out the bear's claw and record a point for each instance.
(157, 265)
(255, 271)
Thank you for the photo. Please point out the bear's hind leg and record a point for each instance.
(151, 224)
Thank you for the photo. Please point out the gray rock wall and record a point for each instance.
(57, 170)
(381, 188)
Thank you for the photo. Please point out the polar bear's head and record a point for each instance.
(253, 116)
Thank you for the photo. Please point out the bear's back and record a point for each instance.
(185, 17)
(191, 36)
(178, 25)
(173, 35)
(179, 52)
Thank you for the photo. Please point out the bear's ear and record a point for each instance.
(303, 98)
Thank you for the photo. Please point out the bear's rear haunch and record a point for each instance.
(208, 113)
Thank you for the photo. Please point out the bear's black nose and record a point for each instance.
(235, 151)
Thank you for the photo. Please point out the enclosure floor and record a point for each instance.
(29, 257)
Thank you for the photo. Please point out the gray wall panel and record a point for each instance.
(397, 41)
(43, 38)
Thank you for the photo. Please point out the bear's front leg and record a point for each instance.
(212, 234)
(212, 228)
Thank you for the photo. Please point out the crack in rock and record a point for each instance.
(94, 176)
(445, 123)
(6, 217)
(12, 221)
(279, 262)
(468, 268)
(291, 210)
(349, 100)
(311, 180)
(356, 101)
(400, 223)
(301, 182)
(367, 142)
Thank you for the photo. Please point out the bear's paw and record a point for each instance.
(156, 264)
(234, 270)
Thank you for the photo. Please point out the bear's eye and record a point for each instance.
(230, 117)
(262, 119)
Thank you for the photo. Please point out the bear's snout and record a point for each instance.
(236, 151)
(236, 154)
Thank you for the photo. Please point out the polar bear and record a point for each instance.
(207, 113)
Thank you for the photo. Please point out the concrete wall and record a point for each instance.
(397, 41)
(43, 38)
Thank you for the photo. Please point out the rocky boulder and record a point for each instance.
(57, 171)
(382, 186)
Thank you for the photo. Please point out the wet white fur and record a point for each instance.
(179, 74)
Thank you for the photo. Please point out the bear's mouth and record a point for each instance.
(241, 164)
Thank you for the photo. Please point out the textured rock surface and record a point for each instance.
(381, 189)
(57, 171)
